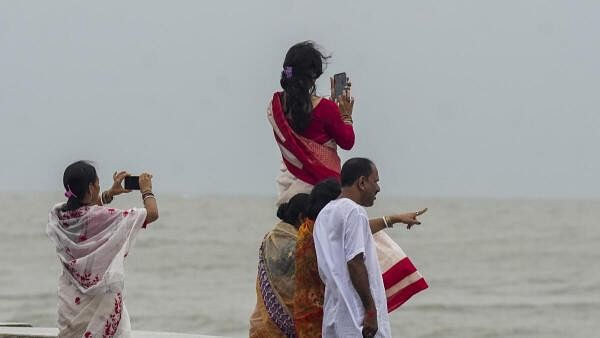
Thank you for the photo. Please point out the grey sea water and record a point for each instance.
(496, 268)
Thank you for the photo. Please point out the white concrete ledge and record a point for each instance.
(48, 332)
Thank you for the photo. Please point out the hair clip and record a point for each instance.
(69, 193)
(287, 71)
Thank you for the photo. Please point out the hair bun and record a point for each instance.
(282, 210)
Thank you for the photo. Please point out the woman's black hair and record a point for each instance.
(302, 66)
(290, 212)
(77, 178)
(323, 193)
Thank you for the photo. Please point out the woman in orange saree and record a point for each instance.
(310, 291)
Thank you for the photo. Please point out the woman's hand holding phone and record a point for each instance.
(117, 187)
(344, 100)
(145, 182)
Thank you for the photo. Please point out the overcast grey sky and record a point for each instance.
(454, 98)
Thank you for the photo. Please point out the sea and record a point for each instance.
(495, 268)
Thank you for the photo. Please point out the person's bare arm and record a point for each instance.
(116, 189)
(360, 280)
(409, 218)
(152, 210)
(376, 224)
(149, 198)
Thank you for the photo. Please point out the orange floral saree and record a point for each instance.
(309, 290)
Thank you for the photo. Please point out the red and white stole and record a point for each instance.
(401, 278)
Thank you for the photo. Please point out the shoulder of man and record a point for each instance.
(352, 208)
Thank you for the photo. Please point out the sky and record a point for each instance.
(493, 99)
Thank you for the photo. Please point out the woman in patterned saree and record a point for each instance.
(92, 241)
(272, 316)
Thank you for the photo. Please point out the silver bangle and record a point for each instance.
(385, 221)
(148, 196)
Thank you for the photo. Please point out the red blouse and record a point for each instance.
(326, 123)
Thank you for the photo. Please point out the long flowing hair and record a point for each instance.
(302, 66)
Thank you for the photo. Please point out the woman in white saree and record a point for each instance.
(92, 241)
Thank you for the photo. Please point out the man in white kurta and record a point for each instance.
(341, 235)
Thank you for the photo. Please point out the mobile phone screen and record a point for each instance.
(340, 81)
(132, 183)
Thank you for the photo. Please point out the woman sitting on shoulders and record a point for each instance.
(308, 128)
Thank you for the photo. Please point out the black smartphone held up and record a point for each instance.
(132, 183)
(340, 81)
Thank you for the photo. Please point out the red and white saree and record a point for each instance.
(306, 162)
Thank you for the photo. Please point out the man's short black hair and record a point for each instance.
(354, 168)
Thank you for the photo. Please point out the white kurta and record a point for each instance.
(92, 243)
(341, 232)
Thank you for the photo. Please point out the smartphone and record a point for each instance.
(132, 183)
(340, 81)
